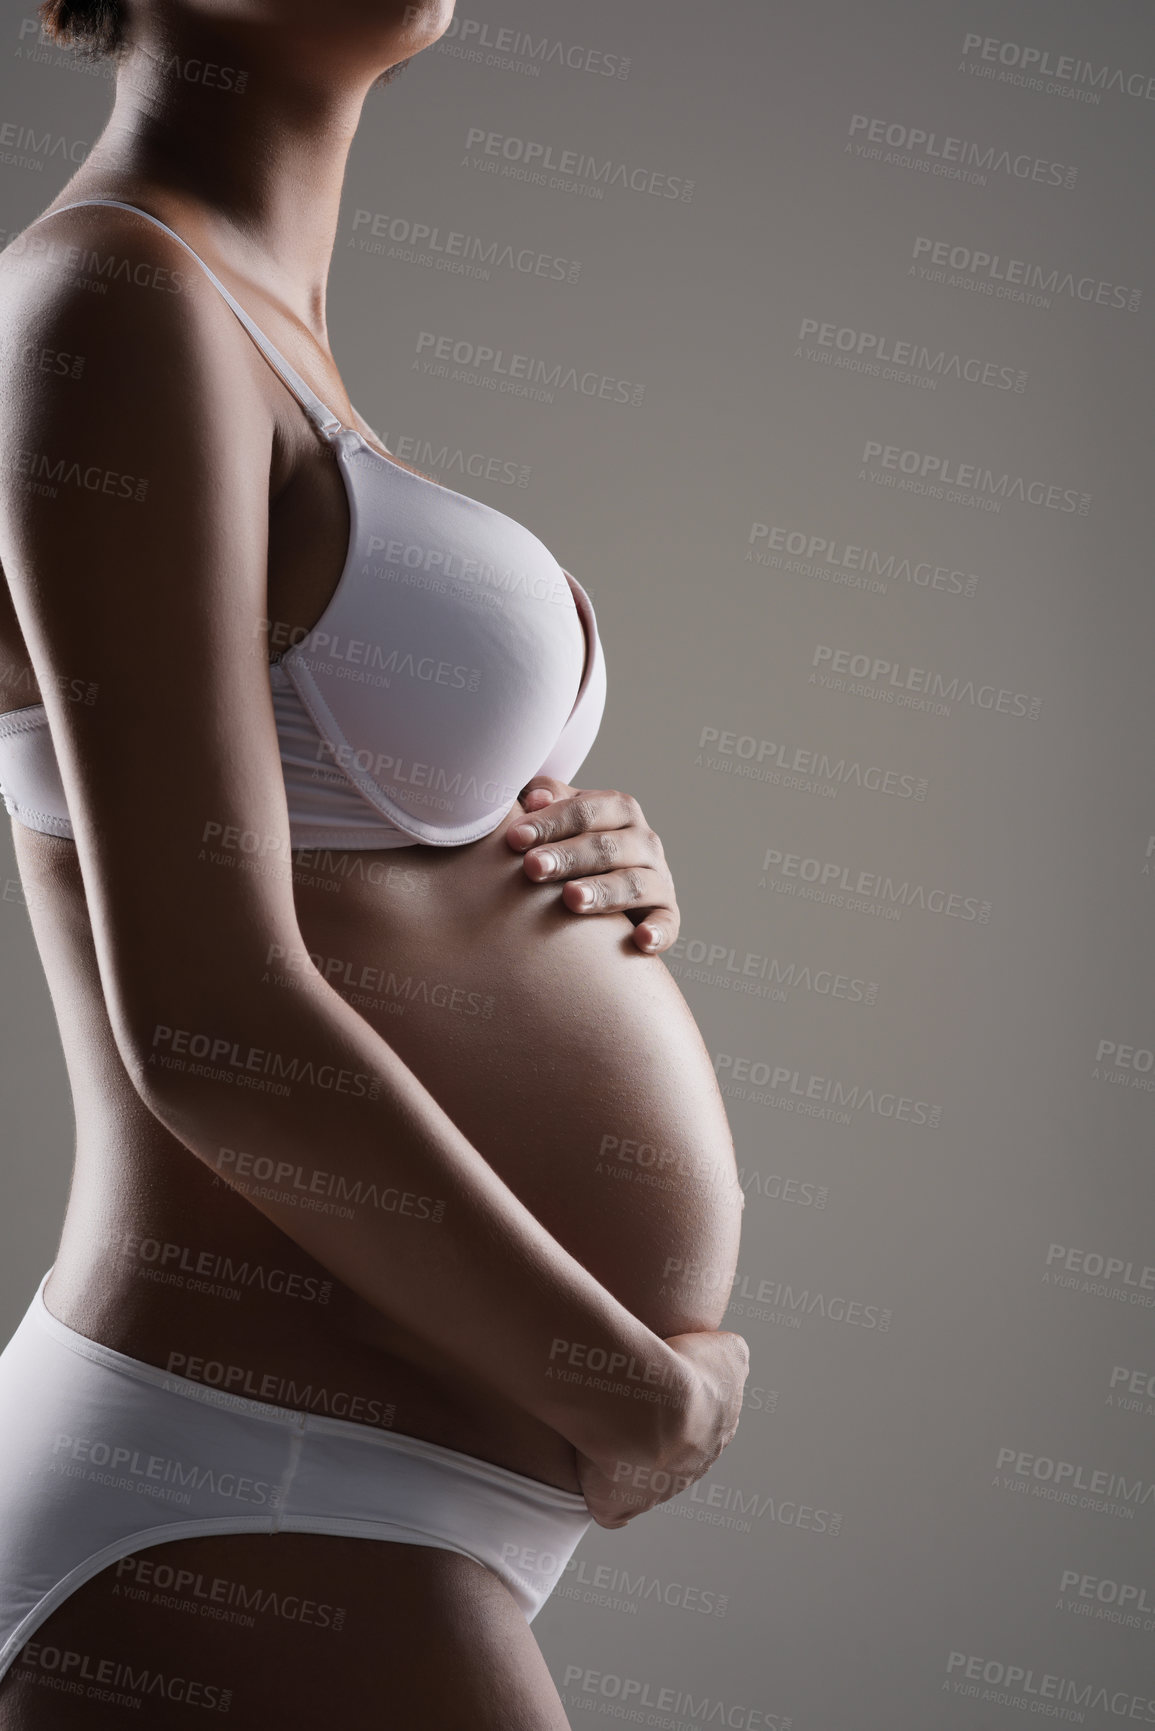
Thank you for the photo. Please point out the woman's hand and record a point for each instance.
(624, 1481)
(598, 845)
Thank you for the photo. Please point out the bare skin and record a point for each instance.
(518, 1039)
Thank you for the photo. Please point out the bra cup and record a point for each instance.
(450, 654)
(573, 745)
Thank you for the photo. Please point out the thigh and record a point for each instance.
(285, 1630)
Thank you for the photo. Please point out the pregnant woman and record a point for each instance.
(404, 1209)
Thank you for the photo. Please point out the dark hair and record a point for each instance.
(97, 26)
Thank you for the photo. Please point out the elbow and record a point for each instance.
(154, 1053)
(191, 1026)
(171, 1039)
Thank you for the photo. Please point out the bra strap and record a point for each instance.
(322, 417)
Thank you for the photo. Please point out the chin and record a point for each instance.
(421, 21)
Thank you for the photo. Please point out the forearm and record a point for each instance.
(302, 1108)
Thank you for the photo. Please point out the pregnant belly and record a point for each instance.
(569, 1059)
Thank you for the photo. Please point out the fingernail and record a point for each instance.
(547, 862)
(524, 832)
(653, 935)
(585, 895)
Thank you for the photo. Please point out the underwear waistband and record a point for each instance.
(293, 1419)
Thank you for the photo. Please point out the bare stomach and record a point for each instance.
(569, 1059)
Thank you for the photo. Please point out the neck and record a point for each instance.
(251, 136)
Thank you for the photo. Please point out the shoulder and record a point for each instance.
(104, 313)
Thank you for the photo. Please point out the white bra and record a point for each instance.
(454, 661)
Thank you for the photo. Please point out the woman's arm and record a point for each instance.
(133, 532)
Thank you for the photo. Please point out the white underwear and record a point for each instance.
(102, 1455)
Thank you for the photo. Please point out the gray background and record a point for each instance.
(863, 1555)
